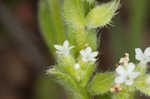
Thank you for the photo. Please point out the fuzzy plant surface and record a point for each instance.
(69, 28)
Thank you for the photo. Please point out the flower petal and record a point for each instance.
(130, 67)
(71, 47)
(77, 66)
(88, 55)
(66, 44)
(134, 75)
(119, 80)
(129, 82)
(58, 47)
(93, 59)
(94, 54)
(84, 59)
(147, 52)
(120, 70)
(139, 54)
(148, 80)
(88, 49)
(82, 52)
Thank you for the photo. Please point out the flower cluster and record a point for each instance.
(87, 54)
(126, 72)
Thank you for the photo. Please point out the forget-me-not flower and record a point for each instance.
(126, 74)
(63, 49)
(143, 57)
(88, 55)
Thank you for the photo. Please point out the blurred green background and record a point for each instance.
(24, 55)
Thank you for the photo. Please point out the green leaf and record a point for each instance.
(51, 24)
(65, 80)
(123, 95)
(142, 85)
(69, 84)
(101, 15)
(87, 73)
(74, 16)
(101, 83)
(72, 38)
(91, 39)
(81, 39)
(74, 13)
(77, 37)
(66, 65)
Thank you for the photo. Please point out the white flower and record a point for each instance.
(126, 74)
(88, 55)
(77, 66)
(143, 57)
(148, 80)
(65, 49)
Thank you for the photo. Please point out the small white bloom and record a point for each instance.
(64, 49)
(126, 74)
(77, 66)
(143, 57)
(148, 80)
(88, 55)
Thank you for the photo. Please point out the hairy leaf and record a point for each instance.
(69, 84)
(91, 39)
(74, 13)
(51, 23)
(87, 73)
(101, 83)
(101, 15)
(66, 65)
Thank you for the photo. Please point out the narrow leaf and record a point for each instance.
(69, 84)
(63, 79)
(66, 65)
(101, 83)
(87, 73)
(91, 39)
(102, 15)
(51, 24)
(74, 13)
